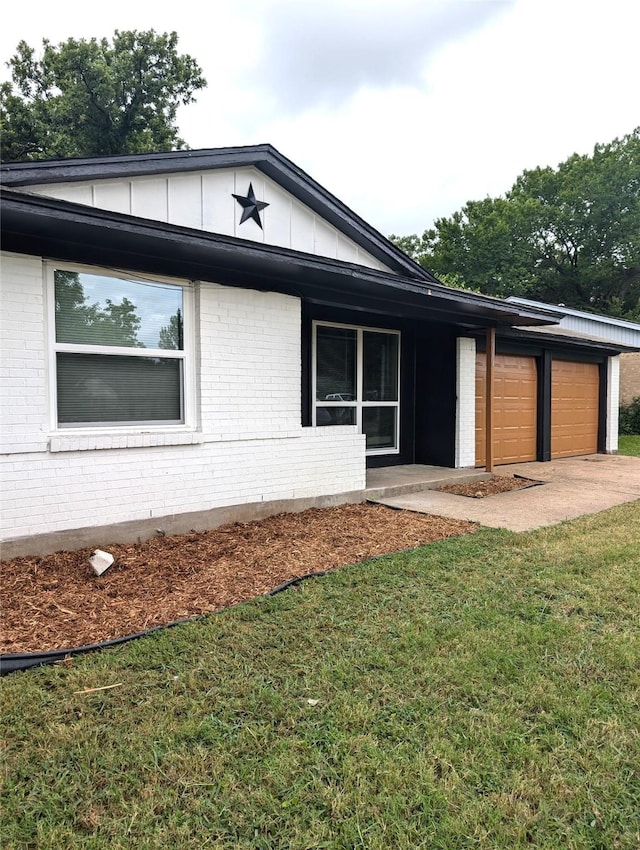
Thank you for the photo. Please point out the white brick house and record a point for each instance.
(178, 331)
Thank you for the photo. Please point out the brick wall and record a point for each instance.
(613, 401)
(629, 377)
(249, 445)
(466, 402)
(23, 385)
(250, 363)
(53, 492)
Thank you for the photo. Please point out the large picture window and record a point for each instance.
(356, 382)
(119, 348)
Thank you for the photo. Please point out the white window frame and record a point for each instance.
(359, 404)
(186, 355)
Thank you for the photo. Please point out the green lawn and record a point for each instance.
(629, 445)
(482, 692)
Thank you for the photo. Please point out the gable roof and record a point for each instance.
(44, 225)
(67, 231)
(263, 157)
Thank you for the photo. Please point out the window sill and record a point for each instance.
(82, 442)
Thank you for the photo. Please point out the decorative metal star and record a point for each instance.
(250, 206)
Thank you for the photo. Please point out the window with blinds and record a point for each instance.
(119, 350)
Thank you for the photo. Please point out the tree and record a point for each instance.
(78, 321)
(567, 235)
(118, 324)
(477, 246)
(583, 222)
(171, 335)
(93, 98)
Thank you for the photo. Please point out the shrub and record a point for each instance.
(629, 417)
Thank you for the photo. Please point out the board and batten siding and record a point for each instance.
(204, 200)
(248, 448)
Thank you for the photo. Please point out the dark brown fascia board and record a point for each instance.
(264, 157)
(33, 223)
(128, 165)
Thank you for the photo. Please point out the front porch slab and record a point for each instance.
(573, 487)
(413, 477)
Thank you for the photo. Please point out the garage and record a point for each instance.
(575, 390)
(514, 410)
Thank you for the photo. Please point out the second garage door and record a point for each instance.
(575, 389)
(515, 409)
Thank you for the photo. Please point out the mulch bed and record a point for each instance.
(490, 487)
(56, 601)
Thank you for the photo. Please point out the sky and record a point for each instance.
(403, 109)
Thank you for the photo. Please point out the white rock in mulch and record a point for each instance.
(100, 561)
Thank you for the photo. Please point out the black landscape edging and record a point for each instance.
(533, 482)
(12, 662)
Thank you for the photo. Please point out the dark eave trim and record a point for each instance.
(44, 171)
(572, 312)
(71, 232)
(559, 341)
(263, 157)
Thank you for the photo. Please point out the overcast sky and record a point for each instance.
(404, 109)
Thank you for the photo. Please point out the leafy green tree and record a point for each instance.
(96, 97)
(118, 323)
(171, 336)
(583, 221)
(79, 321)
(478, 247)
(567, 235)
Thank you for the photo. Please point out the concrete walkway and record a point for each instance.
(572, 487)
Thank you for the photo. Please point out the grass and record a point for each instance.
(629, 445)
(481, 692)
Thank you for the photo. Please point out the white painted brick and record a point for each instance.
(251, 447)
(23, 352)
(465, 402)
(613, 403)
(132, 484)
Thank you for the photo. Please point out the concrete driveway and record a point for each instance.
(572, 487)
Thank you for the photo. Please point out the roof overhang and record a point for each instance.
(65, 231)
(565, 338)
(571, 312)
(264, 158)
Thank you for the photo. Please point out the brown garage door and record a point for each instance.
(514, 412)
(575, 390)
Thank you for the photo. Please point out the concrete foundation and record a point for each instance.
(138, 530)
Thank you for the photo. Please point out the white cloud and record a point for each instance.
(323, 53)
(405, 111)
